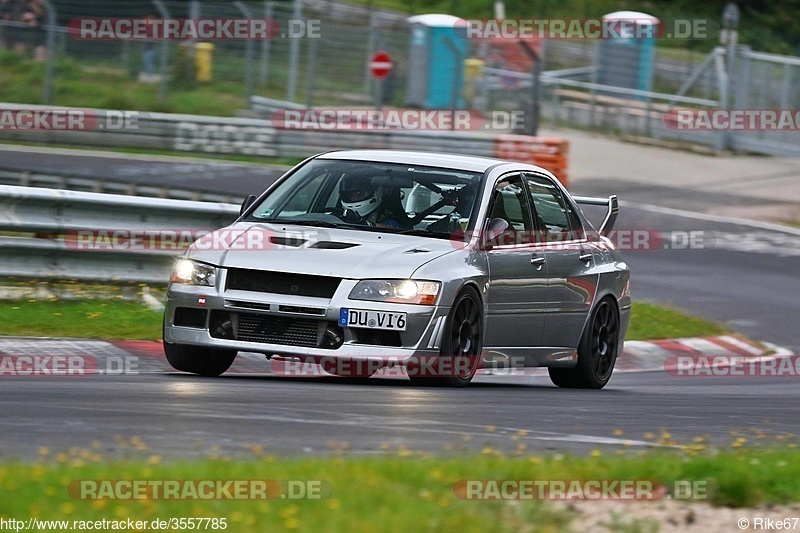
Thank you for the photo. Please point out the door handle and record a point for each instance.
(537, 260)
(585, 255)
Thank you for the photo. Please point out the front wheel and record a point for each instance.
(462, 342)
(199, 360)
(597, 351)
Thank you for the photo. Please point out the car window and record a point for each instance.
(378, 196)
(509, 203)
(555, 219)
(305, 195)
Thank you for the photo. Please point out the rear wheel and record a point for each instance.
(462, 342)
(199, 360)
(597, 351)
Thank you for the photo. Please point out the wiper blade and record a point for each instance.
(326, 224)
(301, 222)
(364, 227)
(426, 233)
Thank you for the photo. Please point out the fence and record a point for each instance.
(332, 70)
(36, 223)
(329, 70)
(753, 81)
(766, 81)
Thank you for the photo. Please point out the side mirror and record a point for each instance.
(249, 201)
(494, 229)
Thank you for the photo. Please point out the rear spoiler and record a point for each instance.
(611, 216)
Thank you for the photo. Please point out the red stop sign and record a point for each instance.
(380, 65)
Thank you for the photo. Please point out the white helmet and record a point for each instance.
(360, 195)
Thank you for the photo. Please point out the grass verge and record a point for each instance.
(116, 319)
(389, 493)
(652, 322)
(89, 319)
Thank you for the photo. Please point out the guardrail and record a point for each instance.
(249, 136)
(246, 136)
(37, 221)
(66, 181)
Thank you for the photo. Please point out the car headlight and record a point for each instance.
(401, 291)
(193, 273)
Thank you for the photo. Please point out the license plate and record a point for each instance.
(363, 318)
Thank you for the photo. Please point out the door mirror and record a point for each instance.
(494, 229)
(249, 201)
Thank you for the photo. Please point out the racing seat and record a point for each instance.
(393, 203)
(509, 236)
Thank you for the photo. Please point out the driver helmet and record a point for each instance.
(360, 195)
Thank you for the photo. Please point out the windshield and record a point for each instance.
(384, 197)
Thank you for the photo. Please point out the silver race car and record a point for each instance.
(440, 264)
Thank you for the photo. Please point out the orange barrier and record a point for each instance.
(546, 152)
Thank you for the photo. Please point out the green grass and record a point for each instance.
(397, 492)
(90, 319)
(23, 79)
(651, 322)
(115, 319)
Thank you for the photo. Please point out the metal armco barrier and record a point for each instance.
(39, 219)
(220, 135)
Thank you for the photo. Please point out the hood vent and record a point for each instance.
(332, 245)
(286, 241)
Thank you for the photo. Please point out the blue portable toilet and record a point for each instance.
(435, 74)
(626, 57)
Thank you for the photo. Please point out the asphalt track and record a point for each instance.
(743, 275)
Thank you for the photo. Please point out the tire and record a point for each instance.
(199, 360)
(597, 351)
(462, 343)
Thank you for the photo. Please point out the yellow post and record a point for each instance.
(472, 70)
(203, 61)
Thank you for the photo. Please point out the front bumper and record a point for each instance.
(424, 329)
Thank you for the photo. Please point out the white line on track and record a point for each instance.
(712, 218)
(363, 421)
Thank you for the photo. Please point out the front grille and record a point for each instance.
(301, 310)
(282, 283)
(272, 329)
(248, 305)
